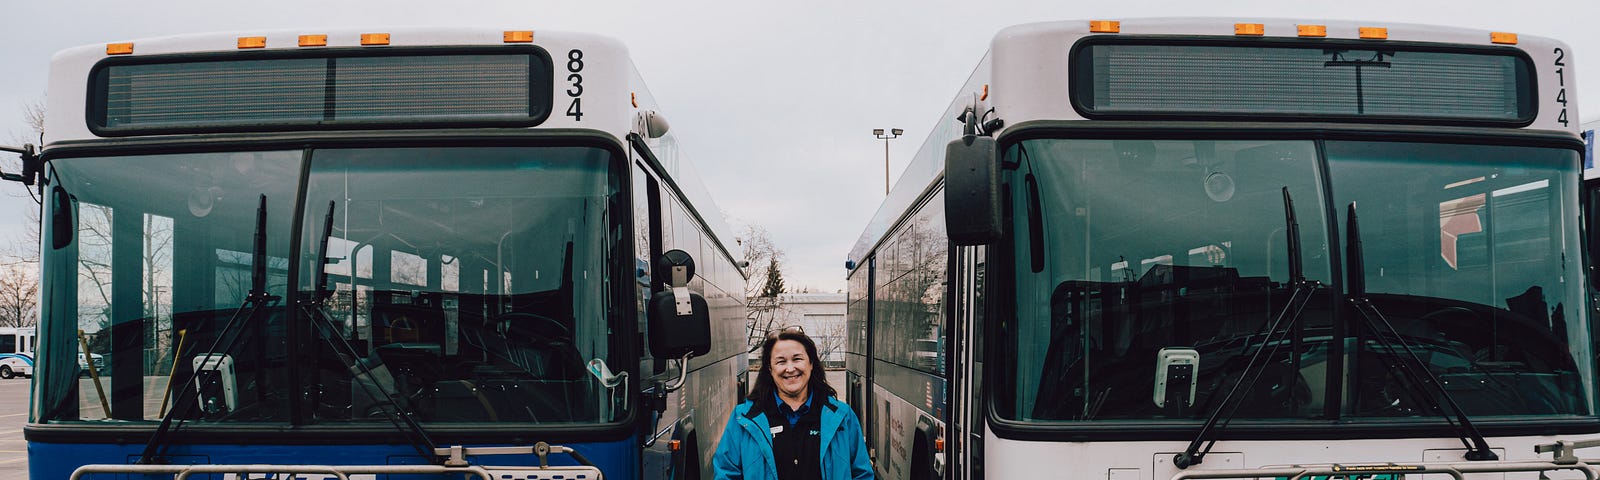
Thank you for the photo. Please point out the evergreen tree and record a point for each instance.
(774, 282)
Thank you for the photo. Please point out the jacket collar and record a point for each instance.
(831, 422)
(755, 423)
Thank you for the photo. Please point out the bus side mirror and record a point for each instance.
(972, 191)
(680, 321)
(30, 164)
(62, 227)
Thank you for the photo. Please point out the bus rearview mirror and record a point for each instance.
(972, 191)
(680, 320)
(61, 225)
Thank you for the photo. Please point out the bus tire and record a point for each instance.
(691, 459)
(921, 460)
(6, 373)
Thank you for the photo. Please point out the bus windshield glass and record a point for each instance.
(1149, 251)
(462, 284)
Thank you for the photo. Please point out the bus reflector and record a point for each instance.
(985, 93)
(675, 445)
(119, 48)
(374, 39)
(313, 40)
(1312, 30)
(1249, 29)
(252, 42)
(1503, 38)
(519, 37)
(1374, 33)
(634, 97)
(1105, 26)
(938, 444)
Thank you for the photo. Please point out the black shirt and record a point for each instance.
(796, 449)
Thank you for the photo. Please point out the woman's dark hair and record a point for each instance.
(764, 386)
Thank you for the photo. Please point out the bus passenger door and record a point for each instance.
(1591, 223)
(646, 231)
(963, 447)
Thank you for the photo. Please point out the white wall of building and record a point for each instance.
(821, 315)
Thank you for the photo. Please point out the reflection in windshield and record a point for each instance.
(1150, 245)
(479, 301)
(159, 259)
(1466, 250)
(470, 282)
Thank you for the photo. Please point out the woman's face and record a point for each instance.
(791, 369)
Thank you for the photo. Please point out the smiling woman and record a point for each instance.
(791, 426)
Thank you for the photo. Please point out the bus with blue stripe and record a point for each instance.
(16, 352)
(360, 253)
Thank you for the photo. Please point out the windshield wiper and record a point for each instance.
(394, 410)
(1284, 323)
(1409, 365)
(155, 449)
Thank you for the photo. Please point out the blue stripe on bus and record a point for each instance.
(26, 360)
(57, 460)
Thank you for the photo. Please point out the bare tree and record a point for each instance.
(762, 292)
(830, 339)
(33, 117)
(19, 297)
(19, 259)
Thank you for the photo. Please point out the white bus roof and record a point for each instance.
(606, 84)
(1023, 77)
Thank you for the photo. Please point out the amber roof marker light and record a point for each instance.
(1105, 26)
(518, 36)
(313, 40)
(1502, 38)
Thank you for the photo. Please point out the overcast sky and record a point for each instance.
(775, 101)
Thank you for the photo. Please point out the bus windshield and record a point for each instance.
(1131, 250)
(462, 284)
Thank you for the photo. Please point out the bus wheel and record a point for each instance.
(6, 373)
(921, 460)
(691, 459)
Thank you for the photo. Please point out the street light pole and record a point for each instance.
(893, 134)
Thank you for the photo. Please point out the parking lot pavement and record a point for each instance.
(13, 414)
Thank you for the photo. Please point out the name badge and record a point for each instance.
(777, 430)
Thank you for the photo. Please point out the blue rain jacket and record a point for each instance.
(745, 452)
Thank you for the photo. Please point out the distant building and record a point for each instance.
(821, 315)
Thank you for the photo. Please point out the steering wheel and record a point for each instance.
(533, 324)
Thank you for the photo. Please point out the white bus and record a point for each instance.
(367, 248)
(16, 352)
(1212, 248)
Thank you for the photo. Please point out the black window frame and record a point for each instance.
(1081, 78)
(541, 89)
